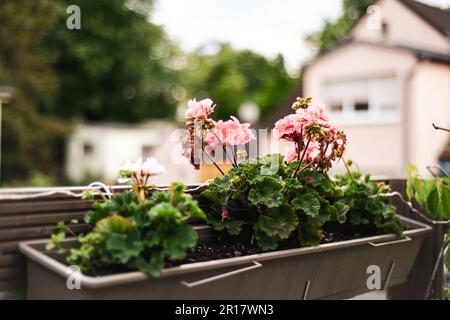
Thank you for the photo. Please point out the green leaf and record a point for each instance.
(445, 201)
(232, 226)
(310, 235)
(267, 191)
(164, 211)
(87, 195)
(308, 203)
(356, 218)
(279, 222)
(113, 224)
(193, 210)
(124, 247)
(153, 266)
(265, 242)
(58, 237)
(432, 201)
(50, 246)
(180, 238)
(395, 226)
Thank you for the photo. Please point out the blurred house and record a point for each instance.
(96, 151)
(387, 84)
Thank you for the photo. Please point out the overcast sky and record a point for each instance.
(265, 26)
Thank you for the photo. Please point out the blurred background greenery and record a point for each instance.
(120, 68)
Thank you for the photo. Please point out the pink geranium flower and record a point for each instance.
(230, 132)
(289, 128)
(291, 154)
(313, 114)
(199, 110)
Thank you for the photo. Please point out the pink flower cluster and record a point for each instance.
(291, 128)
(199, 110)
(230, 132)
(204, 134)
(316, 142)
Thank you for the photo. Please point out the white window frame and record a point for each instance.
(374, 114)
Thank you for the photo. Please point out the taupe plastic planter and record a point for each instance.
(330, 271)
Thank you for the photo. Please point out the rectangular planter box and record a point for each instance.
(330, 271)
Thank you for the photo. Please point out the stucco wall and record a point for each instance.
(430, 103)
(404, 28)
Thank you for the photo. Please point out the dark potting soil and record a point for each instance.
(225, 247)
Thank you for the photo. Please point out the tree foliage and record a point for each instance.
(31, 142)
(234, 77)
(335, 31)
(119, 67)
(114, 67)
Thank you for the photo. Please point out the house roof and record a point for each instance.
(436, 17)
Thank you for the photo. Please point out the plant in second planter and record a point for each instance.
(433, 195)
(133, 232)
(367, 204)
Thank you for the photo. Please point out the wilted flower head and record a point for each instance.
(316, 142)
(231, 132)
(302, 103)
(199, 110)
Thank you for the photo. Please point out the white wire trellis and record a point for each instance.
(99, 187)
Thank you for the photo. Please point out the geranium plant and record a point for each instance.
(135, 229)
(276, 200)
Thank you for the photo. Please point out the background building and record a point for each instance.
(96, 151)
(387, 84)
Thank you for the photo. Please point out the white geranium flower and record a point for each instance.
(140, 170)
(151, 167)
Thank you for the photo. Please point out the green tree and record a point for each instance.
(32, 144)
(233, 77)
(115, 67)
(335, 31)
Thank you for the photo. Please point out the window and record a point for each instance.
(88, 149)
(362, 106)
(364, 99)
(385, 29)
(147, 151)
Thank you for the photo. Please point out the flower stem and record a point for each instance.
(301, 159)
(228, 156)
(224, 149)
(214, 163)
(348, 169)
